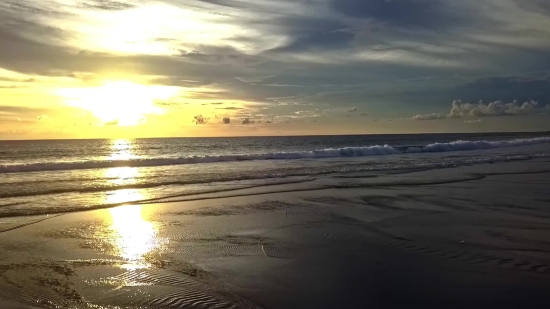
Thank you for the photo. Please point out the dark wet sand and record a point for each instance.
(476, 237)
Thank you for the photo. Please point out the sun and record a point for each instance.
(121, 103)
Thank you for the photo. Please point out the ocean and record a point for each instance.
(57, 176)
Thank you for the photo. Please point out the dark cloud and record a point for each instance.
(536, 6)
(33, 8)
(247, 121)
(254, 79)
(28, 46)
(333, 39)
(227, 4)
(108, 5)
(509, 87)
(509, 81)
(314, 33)
(200, 119)
(219, 55)
(21, 110)
(226, 120)
(231, 108)
(402, 13)
(394, 54)
(112, 123)
(179, 81)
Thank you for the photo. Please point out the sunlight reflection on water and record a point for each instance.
(122, 150)
(132, 234)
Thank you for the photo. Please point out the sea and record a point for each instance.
(43, 177)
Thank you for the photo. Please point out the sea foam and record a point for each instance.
(313, 154)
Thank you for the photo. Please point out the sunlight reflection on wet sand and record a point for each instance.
(133, 235)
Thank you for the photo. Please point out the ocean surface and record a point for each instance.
(56, 176)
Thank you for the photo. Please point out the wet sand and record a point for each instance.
(474, 236)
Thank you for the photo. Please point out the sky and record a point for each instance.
(170, 68)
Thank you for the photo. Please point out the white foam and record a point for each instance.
(474, 145)
(314, 154)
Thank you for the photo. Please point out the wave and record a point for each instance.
(314, 154)
(149, 185)
(242, 192)
(475, 145)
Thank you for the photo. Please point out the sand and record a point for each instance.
(474, 236)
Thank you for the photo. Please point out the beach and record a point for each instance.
(261, 154)
(466, 236)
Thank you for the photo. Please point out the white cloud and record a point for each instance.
(353, 109)
(473, 121)
(497, 108)
(428, 117)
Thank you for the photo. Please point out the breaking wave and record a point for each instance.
(314, 154)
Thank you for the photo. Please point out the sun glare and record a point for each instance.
(154, 29)
(133, 235)
(120, 103)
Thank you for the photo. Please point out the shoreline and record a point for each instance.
(373, 178)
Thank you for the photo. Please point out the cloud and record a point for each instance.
(200, 119)
(231, 108)
(283, 85)
(247, 121)
(326, 54)
(314, 33)
(16, 132)
(408, 13)
(165, 103)
(226, 120)
(42, 117)
(537, 6)
(497, 108)
(428, 117)
(363, 114)
(108, 5)
(509, 87)
(112, 123)
(14, 109)
(473, 121)
(254, 79)
(352, 110)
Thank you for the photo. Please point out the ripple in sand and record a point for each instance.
(170, 289)
(230, 210)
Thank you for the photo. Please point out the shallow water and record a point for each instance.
(48, 177)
